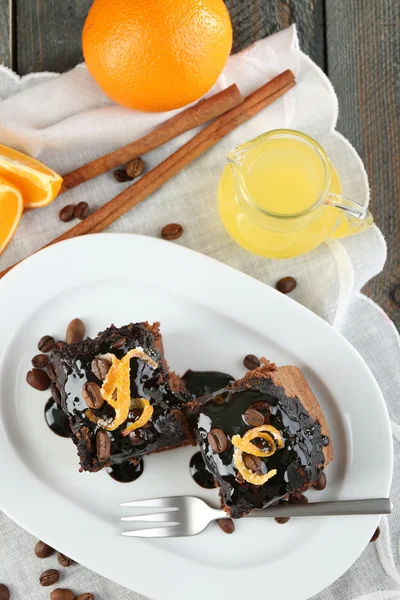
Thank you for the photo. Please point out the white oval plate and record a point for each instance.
(211, 317)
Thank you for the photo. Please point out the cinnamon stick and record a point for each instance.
(205, 139)
(192, 117)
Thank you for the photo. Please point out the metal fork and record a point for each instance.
(188, 515)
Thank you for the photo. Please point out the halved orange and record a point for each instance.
(11, 209)
(38, 184)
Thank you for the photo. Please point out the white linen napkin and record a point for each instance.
(66, 120)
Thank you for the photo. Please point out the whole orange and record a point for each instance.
(156, 55)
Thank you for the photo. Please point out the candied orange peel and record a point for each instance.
(144, 417)
(248, 475)
(116, 390)
(244, 444)
(267, 432)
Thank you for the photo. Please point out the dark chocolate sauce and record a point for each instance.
(201, 383)
(143, 378)
(126, 472)
(56, 419)
(200, 473)
(164, 428)
(298, 463)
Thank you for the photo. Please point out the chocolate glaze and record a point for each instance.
(126, 472)
(167, 426)
(56, 419)
(298, 463)
(200, 473)
(201, 383)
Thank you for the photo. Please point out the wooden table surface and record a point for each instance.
(356, 42)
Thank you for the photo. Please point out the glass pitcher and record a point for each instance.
(279, 196)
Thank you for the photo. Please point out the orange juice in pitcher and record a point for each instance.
(279, 196)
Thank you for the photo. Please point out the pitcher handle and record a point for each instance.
(354, 217)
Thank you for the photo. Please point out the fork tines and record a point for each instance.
(170, 505)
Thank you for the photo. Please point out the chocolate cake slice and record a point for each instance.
(263, 438)
(121, 398)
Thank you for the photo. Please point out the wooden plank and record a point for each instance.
(49, 34)
(49, 31)
(5, 57)
(257, 19)
(363, 56)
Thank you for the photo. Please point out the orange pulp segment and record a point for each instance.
(38, 184)
(11, 209)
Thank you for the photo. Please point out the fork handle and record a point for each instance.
(373, 506)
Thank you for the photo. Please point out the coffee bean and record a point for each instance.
(46, 343)
(81, 210)
(91, 394)
(396, 295)
(173, 231)
(43, 550)
(320, 484)
(253, 418)
(66, 214)
(103, 445)
(51, 372)
(40, 361)
(85, 597)
(60, 345)
(376, 534)
(62, 594)
(254, 463)
(286, 285)
(38, 379)
(261, 443)
(118, 342)
(282, 520)
(64, 560)
(4, 592)
(251, 362)
(49, 577)
(218, 440)
(135, 168)
(227, 525)
(121, 176)
(100, 367)
(298, 498)
(75, 331)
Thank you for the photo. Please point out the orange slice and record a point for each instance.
(38, 184)
(11, 209)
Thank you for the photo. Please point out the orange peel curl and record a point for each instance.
(267, 432)
(248, 475)
(116, 390)
(245, 444)
(144, 417)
